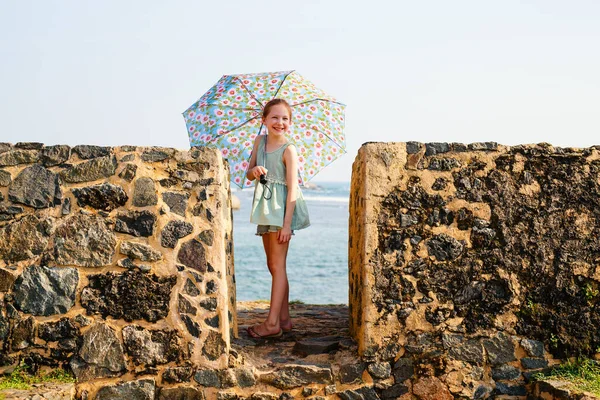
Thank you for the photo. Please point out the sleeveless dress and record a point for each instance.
(268, 205)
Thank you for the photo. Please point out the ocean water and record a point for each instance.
(317, 262)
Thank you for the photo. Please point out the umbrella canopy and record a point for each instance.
(228, 117)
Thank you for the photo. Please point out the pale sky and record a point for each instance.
(110, 72)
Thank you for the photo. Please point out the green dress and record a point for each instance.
(268, 205)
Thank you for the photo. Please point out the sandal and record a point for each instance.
(255, 335)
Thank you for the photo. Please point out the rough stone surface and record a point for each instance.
(144, 193)
(173, 231)
(431, 388)
(24, 239)
(140, 251)
(533, 363)
(16, 157)
(128, 172)
(105, 197)
(534, 348)
(505, 372)
(130, 295)
(214, 346)
(178, 374)
(94, 169)
(500, 349)
(292, 376)
(35, 186)
(5, 178)
(177, 202)
(184, 306)
(136, 223)
(350, 373)
(85, 241)
(42, 290)
(136, 390)
(86, 152)
(6, 280)
(207, 377)
(55, 155)
(192, 255)
(60, 330)
(152, 347)
(181, 393)
(102, 349)
(22, 335)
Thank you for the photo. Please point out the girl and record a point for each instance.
(278, 208)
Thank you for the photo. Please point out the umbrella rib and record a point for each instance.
(282, 82)
(239, 126)
(330, 138)
(248, 90)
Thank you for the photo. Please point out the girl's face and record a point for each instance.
(278, 121)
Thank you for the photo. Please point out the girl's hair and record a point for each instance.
(275, 102)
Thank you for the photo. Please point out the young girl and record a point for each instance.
(278, 208)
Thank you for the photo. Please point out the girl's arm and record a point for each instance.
(254, 172)
(290, 159)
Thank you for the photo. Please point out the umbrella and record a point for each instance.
(228, 117)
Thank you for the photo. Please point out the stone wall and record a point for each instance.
(115, 262)
(471, 266)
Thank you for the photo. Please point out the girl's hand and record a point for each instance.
(284, 235)
(258, 171)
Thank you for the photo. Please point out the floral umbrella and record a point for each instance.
(228, 117)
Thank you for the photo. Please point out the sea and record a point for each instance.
(317, 262)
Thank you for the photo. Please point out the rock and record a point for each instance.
(58, 330)
(128, 173)
(144, 192)
(207, 377)
(178, 374)
(140, 251)
(211, 287)
(380, 370)
(29, 145)
(6, 280)
(184, 306)
(213, 322)
(135, 390)
(105, 197)
(505, 372)
(5, 178)
(214, 346)
(157, 154)
(413, 147)
(444, 247)
(191, 254)
(22, 335)
(431, 388)
(152, 347)
(181, 393)
(318, 345)
(94, 169)
(500, 349)
(85, 241)
(443, 164)
(263, 396)
(190, 288)
(440, 184)
(41, 290)
(490, 146)
(55, 155)
(101, 349)
(393, 392)
(35, 186)
(24, 239)
(533, 363)
(191, 325)
(207, 237)
(173, 231)
(86, 152)
(482, 392)
(177, 202)
(17, 157)
(534, 348)
(293, 376)
(209, 304)
(403, 369)
(66, 207)
(244, 377)
(351, 373)
(136, 223)
(436, 148)
(470, 351)
(513, 390)
(127, 295)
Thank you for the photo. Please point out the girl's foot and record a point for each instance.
(286, 326)
(260, 332)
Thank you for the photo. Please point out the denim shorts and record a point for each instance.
(262, 229)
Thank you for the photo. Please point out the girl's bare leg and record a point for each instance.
(279, 308)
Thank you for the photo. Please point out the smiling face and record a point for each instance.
(278, 120)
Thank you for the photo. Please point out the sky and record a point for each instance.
(116, 72)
